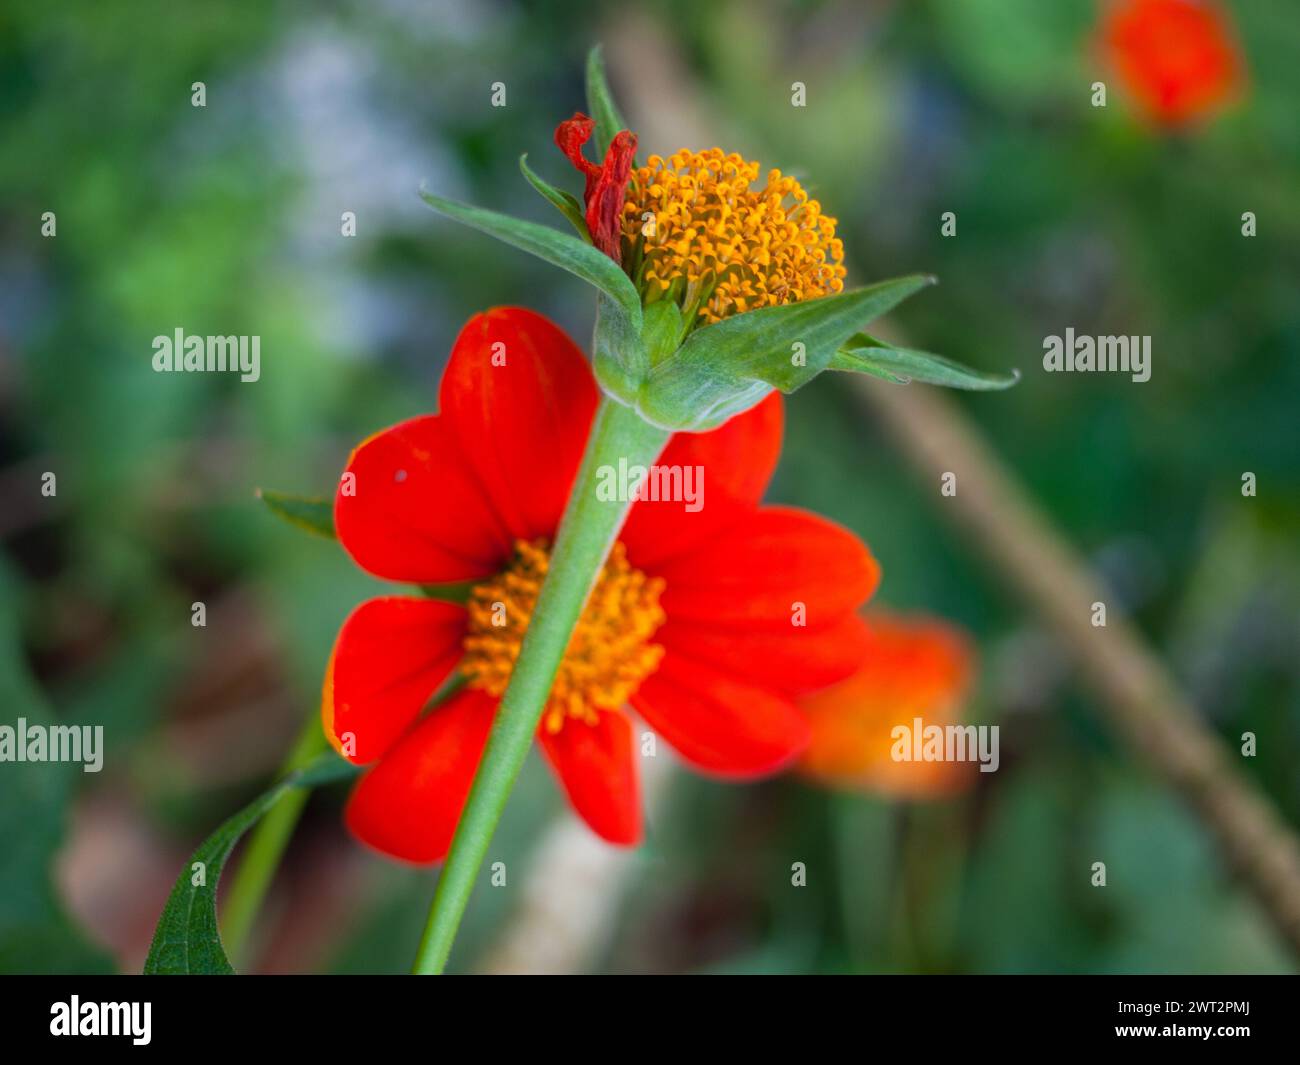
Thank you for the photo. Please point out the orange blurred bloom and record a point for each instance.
(1177, 58)
(915, 668)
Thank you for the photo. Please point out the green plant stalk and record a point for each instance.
(266, 846)
(586, 534)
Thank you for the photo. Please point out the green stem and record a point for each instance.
(266, 845)
(586, 534)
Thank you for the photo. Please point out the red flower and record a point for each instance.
(693, 620)
(606, 184)
(1176, 57)
(914, 668)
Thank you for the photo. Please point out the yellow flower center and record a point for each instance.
(698, 227)
(607, 657)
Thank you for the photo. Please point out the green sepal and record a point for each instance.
(186, 941)
(729, 366)
(314, 514)
(662, 331)
(618, 353)
(564, 202)
(569, 253)
(863, 353)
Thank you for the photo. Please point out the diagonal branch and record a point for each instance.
(1133, 688)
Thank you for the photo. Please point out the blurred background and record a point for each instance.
(226, 219)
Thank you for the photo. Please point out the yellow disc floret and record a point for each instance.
(608, 655)
(699, 228)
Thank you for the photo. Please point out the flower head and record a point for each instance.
(691, 624)
(913, 668)
(703, 229)
(1176, 57)
(716, 284)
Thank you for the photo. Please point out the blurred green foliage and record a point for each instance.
(225, 219)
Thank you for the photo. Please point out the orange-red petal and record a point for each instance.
(596, 766)
(391, 655)
(409, 804)
(917, 668)
(794, 660)
(736, 460)
(779, 568)
(718, 722)
(520, 397)
(408, 508)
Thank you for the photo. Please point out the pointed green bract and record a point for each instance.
(569, 253)
(726, 367)
(848, 362)
(600, 102)
(865, 354)
(566, 203)
(316, 515)
(186, 941)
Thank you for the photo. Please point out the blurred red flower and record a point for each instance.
(1177, 58)
(693, 621)
(913, 668)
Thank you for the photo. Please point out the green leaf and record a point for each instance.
(865, 354)
(569, 253)
(566, 203)
(729, 366)
(600, 102)
(314, 514)
(451, 592)
(37, 935)
(186, 941)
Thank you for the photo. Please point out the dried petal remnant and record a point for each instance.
(605, 184)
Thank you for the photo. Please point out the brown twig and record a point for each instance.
(1134, 689)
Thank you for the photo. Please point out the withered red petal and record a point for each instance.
(570, 136)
